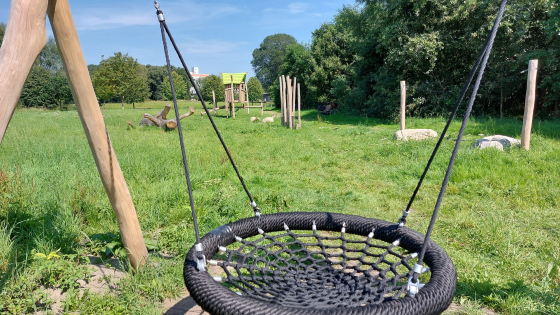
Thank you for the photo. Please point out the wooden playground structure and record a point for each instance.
(234, 83)
(25, 37)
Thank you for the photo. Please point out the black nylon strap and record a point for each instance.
(185, 165)
(487, 50)
(165, 29)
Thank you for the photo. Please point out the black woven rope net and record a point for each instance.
(316, 268)
(312, 263)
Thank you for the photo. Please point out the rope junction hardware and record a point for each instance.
(276, 271)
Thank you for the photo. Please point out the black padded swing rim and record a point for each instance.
(216, 299)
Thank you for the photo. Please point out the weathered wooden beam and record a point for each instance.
(88, 109)
(530, 96)
(24, 39)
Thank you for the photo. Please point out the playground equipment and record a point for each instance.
(234, 83)
(298, 263)
(25, 36)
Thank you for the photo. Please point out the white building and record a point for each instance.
(196, 76)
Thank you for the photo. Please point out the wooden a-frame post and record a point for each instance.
(24, 38)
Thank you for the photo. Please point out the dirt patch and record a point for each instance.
(104, 278)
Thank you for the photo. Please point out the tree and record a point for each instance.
(33, 93)
(2, 32)
(178, 83)
(183, 73)
(103, 85)
(298, 63)
(122, 75)
(213, 83)
(268, 58)
(49, 57)
(156, 75)
(139, 90)
(255, 89)
(58, 91)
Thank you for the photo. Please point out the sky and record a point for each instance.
(215, 36)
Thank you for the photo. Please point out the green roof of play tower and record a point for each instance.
(237, 77)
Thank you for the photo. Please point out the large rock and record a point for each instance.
(414, 134)
(498, 142)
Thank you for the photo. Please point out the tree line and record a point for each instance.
(358, 59)
(118, 78)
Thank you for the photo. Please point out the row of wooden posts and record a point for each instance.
(530, 96)
(289, 89)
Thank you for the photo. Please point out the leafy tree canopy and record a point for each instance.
(49, 58)
(213, 83)
(58, 90)
(178, 83)
(2, 32)
(268, 58)
(156, 75)
(121, 76)
(33, 93)
(255, 89)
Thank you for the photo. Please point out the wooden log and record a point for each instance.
(88, 109)
(163, 113)
(25, 36)
(299, 107)
(162, 121)
(529, 104)
(403, 104)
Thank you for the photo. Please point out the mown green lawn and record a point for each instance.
(499, 221)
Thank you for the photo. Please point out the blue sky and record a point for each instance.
(216, 36)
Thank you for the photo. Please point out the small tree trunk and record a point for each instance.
(133, 106)
(122, 102)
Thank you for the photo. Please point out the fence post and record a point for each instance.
(403, 104)
(529, 104)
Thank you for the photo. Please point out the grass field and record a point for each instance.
(499, 221)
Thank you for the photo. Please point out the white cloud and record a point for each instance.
(94, 18)
(297, 7)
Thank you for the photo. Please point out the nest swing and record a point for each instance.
(322, 262)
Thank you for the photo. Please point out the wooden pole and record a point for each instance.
(529, 104)
(25, 36)
(299, 106)
(88, 109)
(282, 111)
(289, 103)
(232, 99)
(403, 104)
(293, 109)
(262, 109)
(214, 99)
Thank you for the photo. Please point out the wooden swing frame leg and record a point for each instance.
(25, 37)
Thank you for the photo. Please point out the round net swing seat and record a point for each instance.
(317, 263)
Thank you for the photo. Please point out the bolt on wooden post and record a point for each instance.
(529, 104)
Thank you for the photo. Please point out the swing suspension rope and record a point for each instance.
(164, 30)
(413, 282)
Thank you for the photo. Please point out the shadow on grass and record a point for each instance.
(516, 297)
(512, 127)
